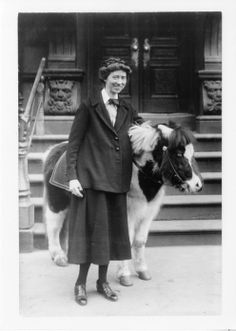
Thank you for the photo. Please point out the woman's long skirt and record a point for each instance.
(98, 229)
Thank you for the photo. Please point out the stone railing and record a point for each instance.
(27, 126)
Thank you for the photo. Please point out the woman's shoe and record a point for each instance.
(80, 294)
(106, 291)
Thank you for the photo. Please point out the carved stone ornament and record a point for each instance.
(60, 97)
(212, 97)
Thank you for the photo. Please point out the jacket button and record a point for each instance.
(116, 138)
(117, 148)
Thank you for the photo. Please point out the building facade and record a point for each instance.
(175, 59)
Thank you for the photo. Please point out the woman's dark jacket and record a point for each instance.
(100, 155)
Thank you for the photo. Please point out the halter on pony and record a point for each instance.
(176, 174)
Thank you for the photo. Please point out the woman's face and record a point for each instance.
(116, 82)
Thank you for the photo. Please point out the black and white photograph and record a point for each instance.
(120, 167)
(140, 178)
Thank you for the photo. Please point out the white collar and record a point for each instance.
(106, 97)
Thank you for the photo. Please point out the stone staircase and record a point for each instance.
(184, 219)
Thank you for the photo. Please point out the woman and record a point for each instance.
(99, 166)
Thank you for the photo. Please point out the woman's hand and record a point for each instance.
(75, 188)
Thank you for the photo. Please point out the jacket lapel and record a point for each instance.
(101, 110)
(121, 115)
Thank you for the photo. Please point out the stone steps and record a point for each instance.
(181, 207)
(163, 233)
(205, 142)
(61, 124)
(162, 226)
(183, 226)
(208, 142)
(208, 161)
(212, 185)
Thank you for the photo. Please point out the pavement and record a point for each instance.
(186, 280)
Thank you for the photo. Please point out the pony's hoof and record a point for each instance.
(61, 261)
(125, 281)
(144, 275)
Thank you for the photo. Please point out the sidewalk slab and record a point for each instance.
(186, 280)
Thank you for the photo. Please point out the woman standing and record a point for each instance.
(99, 166)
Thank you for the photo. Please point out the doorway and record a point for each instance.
(159, 48)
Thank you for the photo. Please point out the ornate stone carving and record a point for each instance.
(60, 100)
(212, 97)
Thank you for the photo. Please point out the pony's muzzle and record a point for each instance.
(194, 186)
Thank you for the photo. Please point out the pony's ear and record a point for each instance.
(173, 124)
(165, 130)
(143, 137)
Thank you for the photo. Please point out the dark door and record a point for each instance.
(159, 48)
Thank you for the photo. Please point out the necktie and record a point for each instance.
(114, 102)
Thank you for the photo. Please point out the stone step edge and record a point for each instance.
(210, 117)
(168, 115)
(55, 137)
(172, 200)
(162, 226)
(38, 178)
(151, 115)
(198, 155)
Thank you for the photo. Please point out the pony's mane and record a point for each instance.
(143, 137)
(179, 138)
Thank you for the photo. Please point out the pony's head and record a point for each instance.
(172, 152)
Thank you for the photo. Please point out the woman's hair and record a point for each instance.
(112, 64)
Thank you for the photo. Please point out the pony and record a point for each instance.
(162, 156)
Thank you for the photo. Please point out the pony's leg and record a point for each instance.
(124, 272)
(139, 245)
(141, 236)
(64, 236)
(54, 224)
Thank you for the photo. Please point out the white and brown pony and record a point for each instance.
(161, 156)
